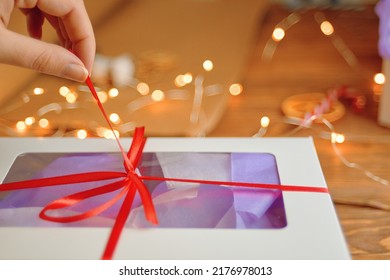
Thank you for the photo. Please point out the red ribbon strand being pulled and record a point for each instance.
(129, 183)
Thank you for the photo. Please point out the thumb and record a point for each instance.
(47, 58)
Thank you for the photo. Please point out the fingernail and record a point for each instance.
(75, 72)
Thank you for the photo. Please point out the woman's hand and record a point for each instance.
(69, 18)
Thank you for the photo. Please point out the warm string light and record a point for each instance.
(337, 138)
(326, 27)
(208, 65)
(38, 91)
(100, 131)
(200, 91)
(114, 118)
(113, 92)
(143, 88)
(334, 137)
(102, 95)
(109, 134)
(81, 134)
(196, 117)
(158, 95)
(71, 97)
(43, 123)
(264, 123)
(183, 80)
(379, 80)
(21, 126)
(278, 34)
(378, 86)
(235, 89)
(328, 30)
(187, 78)
(197, 103)
(64, 91)
(29, 121)
(74, 100)
(179, 81)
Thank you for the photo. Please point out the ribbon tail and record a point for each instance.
(120, 221)
(150, 211)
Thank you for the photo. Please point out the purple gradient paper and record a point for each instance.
(178, 205)
(383, 11)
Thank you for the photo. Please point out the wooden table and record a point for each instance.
(307, 61)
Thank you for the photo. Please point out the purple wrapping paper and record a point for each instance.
(383, 11)
(178, 205)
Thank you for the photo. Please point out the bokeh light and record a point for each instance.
(278, 34)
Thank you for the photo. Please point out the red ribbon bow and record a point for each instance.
(129, 182)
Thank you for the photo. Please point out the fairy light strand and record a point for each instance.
(327, 29)
(334, 137)
(40, 123)
(349, 164)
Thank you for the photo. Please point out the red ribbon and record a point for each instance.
(130, 182)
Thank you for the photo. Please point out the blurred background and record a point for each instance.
(180, 66)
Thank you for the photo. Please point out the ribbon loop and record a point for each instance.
(80, 197)
(136, 149)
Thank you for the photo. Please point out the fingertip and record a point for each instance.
(75, 72)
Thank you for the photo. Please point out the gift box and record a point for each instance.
(215, 198)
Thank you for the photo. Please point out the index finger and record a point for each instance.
(74, 17)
